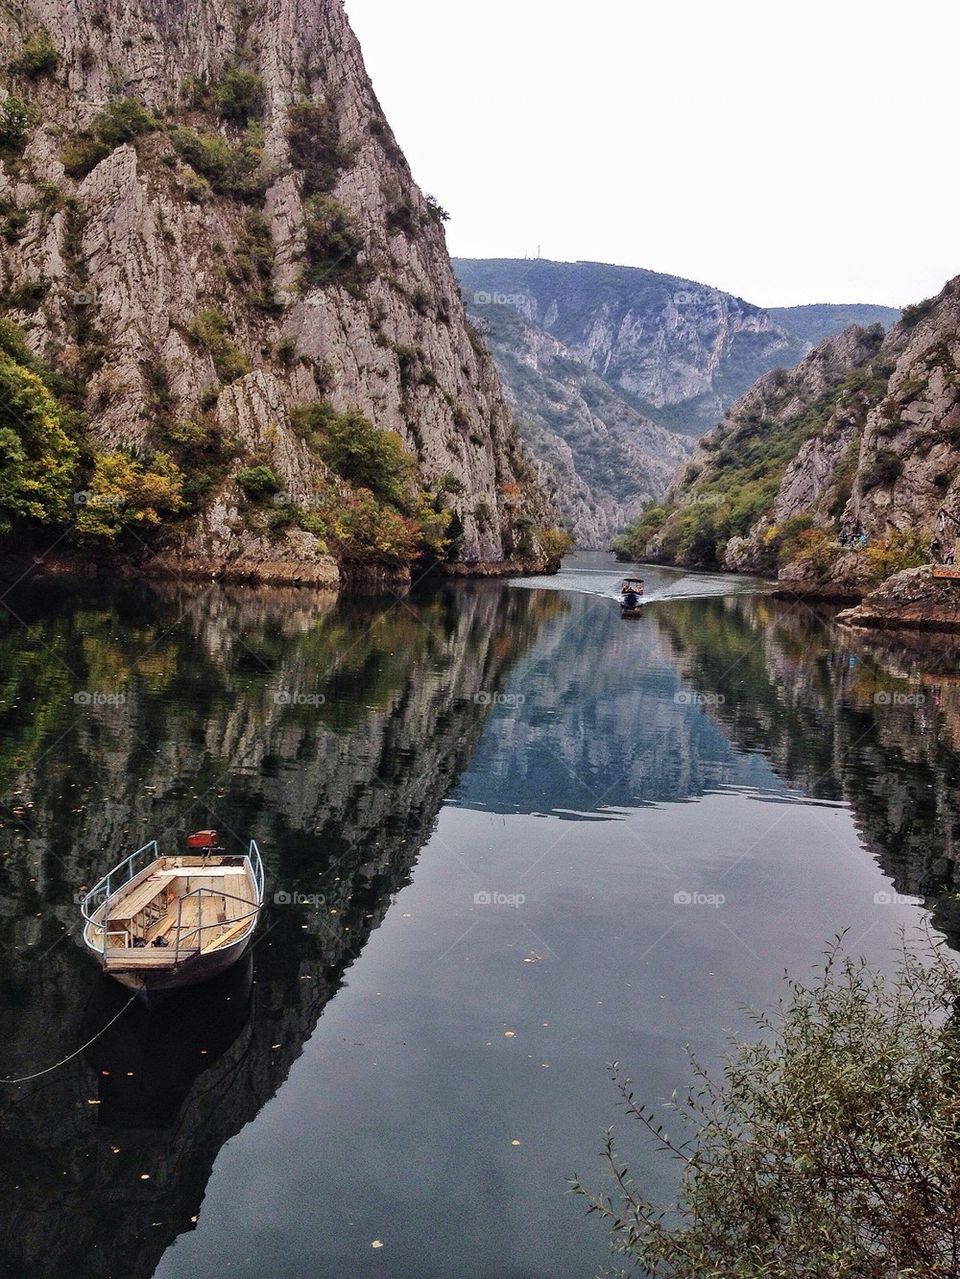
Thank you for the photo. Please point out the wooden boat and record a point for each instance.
(631, 593)
(161, 923)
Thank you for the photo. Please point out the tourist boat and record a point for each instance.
(161, 923)
(631, 593)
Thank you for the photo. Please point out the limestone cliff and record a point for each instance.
(207, 219)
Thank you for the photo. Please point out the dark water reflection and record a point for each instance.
(483, 812)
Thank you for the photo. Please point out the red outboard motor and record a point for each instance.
(203, 839)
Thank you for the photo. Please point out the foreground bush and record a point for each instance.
(830, 1151)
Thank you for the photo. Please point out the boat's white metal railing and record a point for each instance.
(256, 869)
(99, 896)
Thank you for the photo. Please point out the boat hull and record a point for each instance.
(189, 972)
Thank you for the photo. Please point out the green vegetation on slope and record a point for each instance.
(375, 514)
(749, 455)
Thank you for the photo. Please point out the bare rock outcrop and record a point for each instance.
(912, 600)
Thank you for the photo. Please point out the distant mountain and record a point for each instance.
(822, 320)
(613, 371)
(599, 460)
(677, 351)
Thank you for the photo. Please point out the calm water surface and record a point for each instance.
(510, 838)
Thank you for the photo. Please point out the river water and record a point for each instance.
(510, 838)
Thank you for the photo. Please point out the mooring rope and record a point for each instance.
(27, 1078)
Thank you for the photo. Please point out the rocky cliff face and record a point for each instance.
(209, 219)
(860, 442)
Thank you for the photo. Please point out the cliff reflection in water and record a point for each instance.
(870, 719)
(331, 732)
(743, 691)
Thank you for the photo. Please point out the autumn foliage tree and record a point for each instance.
(38, 457)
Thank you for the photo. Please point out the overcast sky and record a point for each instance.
(785, 152)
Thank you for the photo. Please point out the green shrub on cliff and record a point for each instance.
(333, 243)
(81, 155)
(359, 452)
(317, 147)
(883, 469)
(211, 329)
(37, 57)
(239, 96)
(122, 120)
(15, 121)
(259, 482)
(231, 170)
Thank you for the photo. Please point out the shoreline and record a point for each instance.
(323, 574)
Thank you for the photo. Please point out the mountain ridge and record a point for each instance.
(659, 356)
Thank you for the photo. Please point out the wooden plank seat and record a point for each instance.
(164, 926)
(128, 906)
(234, 933)
(191, 873)
(201, 863)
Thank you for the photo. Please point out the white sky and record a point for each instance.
(785, 152)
